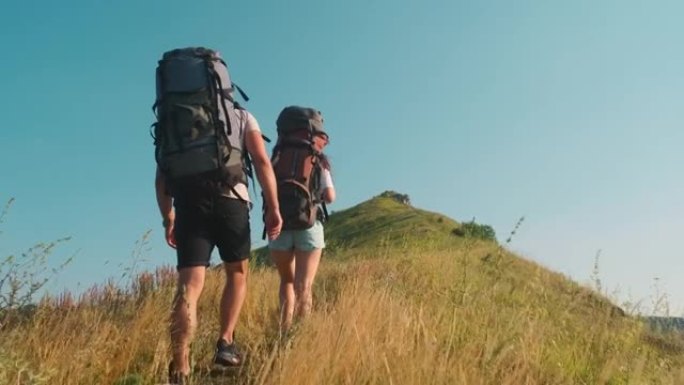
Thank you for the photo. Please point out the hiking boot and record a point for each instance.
(227, 355)
(176, 377)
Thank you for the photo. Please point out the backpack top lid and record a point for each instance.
(296, 118)
(185, 70)
(192, 51)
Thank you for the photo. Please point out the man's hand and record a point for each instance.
(169, 229)
(264, 171)
(273, 223)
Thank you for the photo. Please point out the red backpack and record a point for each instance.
(297, 165)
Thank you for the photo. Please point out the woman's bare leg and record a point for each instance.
(306, 266)
(285, 263)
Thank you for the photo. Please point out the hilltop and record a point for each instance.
(386, 219)
(403, 296)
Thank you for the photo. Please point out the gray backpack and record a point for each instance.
(194, 107)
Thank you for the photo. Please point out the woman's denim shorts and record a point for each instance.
(305, 240)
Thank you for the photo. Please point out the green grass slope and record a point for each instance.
(385, 221)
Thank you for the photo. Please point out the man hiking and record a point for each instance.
(204, 142)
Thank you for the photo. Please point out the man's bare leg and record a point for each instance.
(184, 314)
(234, 293)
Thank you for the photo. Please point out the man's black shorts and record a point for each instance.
(202, 223)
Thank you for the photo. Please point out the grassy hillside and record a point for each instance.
(400, 299)
(386, 222)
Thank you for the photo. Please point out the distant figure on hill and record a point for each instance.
(201, 135)
(304, 187)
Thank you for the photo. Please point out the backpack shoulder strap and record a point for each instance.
(324, 210)
(316, 183)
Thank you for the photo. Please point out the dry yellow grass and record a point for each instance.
(469, 315)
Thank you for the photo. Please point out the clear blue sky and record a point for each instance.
(569, 113)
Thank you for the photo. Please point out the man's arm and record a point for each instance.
(262, 164)
(165, 203)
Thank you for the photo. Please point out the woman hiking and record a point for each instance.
(298, 161)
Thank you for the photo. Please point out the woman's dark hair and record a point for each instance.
(325, 161)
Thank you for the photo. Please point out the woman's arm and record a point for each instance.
(327, 187)
(329, 195)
